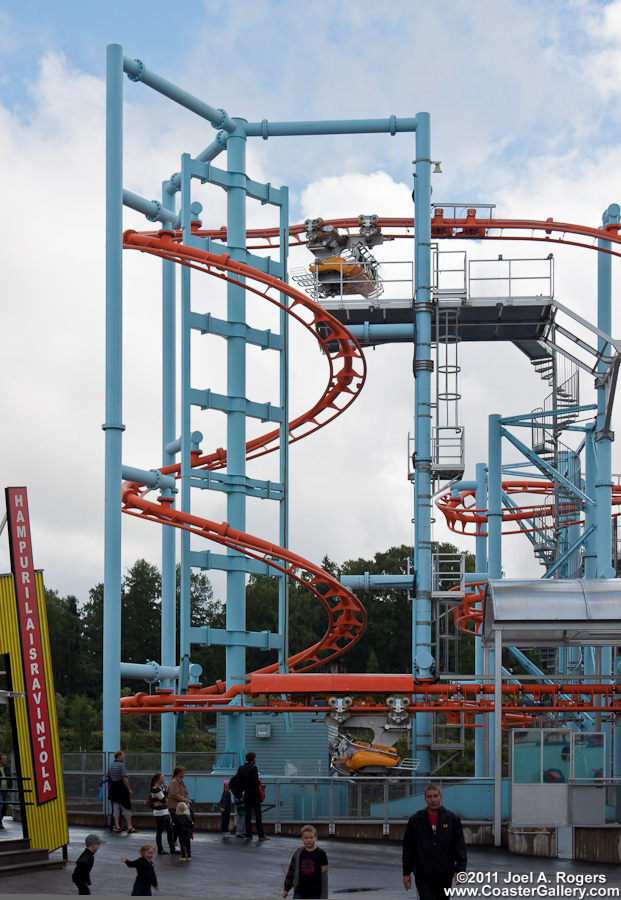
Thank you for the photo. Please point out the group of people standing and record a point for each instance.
(172, 811)
(171, 806)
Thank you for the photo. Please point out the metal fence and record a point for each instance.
(321, 799)
(84, 773)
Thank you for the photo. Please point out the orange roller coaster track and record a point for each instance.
(466, 227)
(462, 517)
(347, 372)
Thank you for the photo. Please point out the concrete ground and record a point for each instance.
(236, 868)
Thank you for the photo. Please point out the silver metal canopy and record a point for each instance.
(539, 613)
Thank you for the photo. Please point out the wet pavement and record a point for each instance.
(236, 868)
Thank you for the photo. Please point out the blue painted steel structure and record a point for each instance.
(232, 137)
(181, 213)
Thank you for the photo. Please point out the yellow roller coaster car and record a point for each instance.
(338, 275)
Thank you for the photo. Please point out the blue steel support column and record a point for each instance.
(283, 584)
(590, 477)
(494, 503)
(423, 366)
(603, 485)
(169, 434)
(236, 425)
(494, 527)
(114, 397)
(186, 458)
(480, 566)
(590, 547)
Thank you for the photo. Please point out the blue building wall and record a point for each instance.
(301, 751)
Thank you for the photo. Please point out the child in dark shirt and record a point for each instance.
(183, 824)
(145, 871)
(82, 873)
(308, 869)
(225, 810)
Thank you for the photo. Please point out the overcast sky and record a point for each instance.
(525, 114)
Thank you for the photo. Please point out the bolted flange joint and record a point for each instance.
(223, 117)
(138, 74)
(156, 215)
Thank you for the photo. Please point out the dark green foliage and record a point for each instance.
(65, 627)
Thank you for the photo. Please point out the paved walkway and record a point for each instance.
(236, 868)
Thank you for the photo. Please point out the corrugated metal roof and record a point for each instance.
(537, 613)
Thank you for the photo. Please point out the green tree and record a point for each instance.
(141, 591)
(84, 721)
(373, 662)
(92, 640)
(65, 629)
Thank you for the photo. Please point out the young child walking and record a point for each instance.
(308, 869)
(145, 871)
(183, 823)
(82, 873)
(225, 810)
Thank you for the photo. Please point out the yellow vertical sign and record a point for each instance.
(24, 636)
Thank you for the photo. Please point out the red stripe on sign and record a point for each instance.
(32, 649)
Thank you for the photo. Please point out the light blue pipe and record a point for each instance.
(151, 478)
(603, 485)
(590, 521)
(494, 527)
(214, 149)
(174, 447)
(168, 638)
(152, 209)
(481, 566)
(392, 125)
(283, 508)
(113, 427)
(494, 505)
(367, 333)
(136, 71)
(423, 365)
(186, 456)
(151, 672)
(463, 486)
(236, 427)
(367, 582)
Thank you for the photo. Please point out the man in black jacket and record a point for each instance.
(433, 848)
(251, 783)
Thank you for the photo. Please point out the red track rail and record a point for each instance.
(347, 372)
(466, 227)
(346, 614)
(462, 517)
